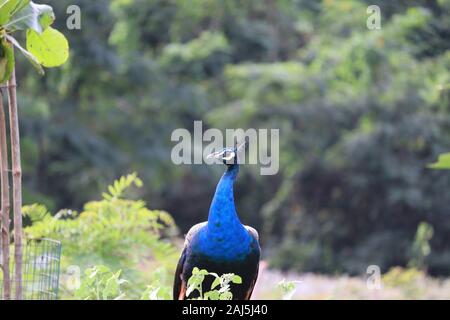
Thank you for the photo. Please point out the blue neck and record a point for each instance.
(225, 237)
(222, 213)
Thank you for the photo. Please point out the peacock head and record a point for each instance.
(229, 156)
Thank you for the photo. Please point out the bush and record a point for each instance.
(409, 281)
(115, 232)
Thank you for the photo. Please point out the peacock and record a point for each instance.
(222, 244)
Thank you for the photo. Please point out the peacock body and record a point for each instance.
(222, 244)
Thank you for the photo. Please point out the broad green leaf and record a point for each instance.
(6, 60)
(215, 283)
(10, 7)
(102, 269)
(226, 296)
(442, 163)
(236, 279)
(33, 60)
(50, 47)
(33, 16)
(111, 288)
(212, 295)
(192, 278)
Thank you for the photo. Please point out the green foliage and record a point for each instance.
(442, 163)
(361, 113)
(99, 283)
(220, 287)
(45, 45)
(117, 189)
(160, 288)
(114, 231)
(8, 8)
(157, 293)
(421, 246)
(50, 47)
(288, 288)
(6, 60)
(197, 58)
(32, 59)
(37, 17)
(408, 280)
(397, 277)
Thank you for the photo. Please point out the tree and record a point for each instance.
(45, 47)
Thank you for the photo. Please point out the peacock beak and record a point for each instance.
(216, 155)
(223, 155)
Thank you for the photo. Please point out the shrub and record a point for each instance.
(114, 231)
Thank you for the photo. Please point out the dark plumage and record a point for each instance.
(222, 244)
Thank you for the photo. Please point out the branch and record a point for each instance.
(17, 182)
(5, 203)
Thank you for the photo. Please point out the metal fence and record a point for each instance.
(40, 270)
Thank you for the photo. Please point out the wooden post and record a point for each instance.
(5, 203)
(17, 183)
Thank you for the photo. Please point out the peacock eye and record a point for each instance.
(228, 156)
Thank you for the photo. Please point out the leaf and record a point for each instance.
(226, 296)
(111, 288)
(27, 55)
(204, 272)
(33, 16)
(288, 288)
(6, 60)
(91, 273)
(50, 47)
(212, 295)
(236, 279)
(103, 269)
(442, 163)
(35, 212)
(192, 281)
(215, 283)
(9, 7)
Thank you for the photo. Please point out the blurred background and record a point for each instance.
(361, 114)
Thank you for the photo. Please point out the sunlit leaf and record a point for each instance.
(212, 295)
(442, 163)
(10, 7)
(50, 47)
(215, 283)
(236, 279)
(32, 16)
(226, 296)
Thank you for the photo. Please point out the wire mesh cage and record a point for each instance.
(40, 270)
